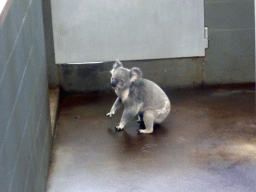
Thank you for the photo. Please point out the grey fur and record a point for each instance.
(139, 96)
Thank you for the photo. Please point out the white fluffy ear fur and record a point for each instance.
(116, 65)
(135, 74)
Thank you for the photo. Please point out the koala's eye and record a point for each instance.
(122, 81)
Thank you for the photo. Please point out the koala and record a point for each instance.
(139, 96)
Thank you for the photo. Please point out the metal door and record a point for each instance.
(103, 30)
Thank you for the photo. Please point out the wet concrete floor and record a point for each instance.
(208, 143)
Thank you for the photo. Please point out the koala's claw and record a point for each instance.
(109, 115)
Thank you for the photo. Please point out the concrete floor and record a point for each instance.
(208, 143)
(54, 95)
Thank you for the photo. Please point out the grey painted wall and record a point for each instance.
(52, 68)
(25, 139)
(229, 59)
(167, 73)
(231, 54)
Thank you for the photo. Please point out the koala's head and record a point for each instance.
(122, 77)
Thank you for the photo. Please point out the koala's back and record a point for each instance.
(149, 95)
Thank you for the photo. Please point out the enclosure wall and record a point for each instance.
(229, 59)
(25, 139)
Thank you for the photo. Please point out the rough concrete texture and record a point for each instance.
(208, 143)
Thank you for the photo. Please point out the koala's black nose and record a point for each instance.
(114, 82)
(113, 85)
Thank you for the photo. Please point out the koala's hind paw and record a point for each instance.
(119, 127)
(109, 115)
(145, 131)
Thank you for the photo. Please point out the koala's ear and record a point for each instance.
(116, 65)
(135, 74)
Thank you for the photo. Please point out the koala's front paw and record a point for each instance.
(139, 121)
(120, 127)
(109, 115)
